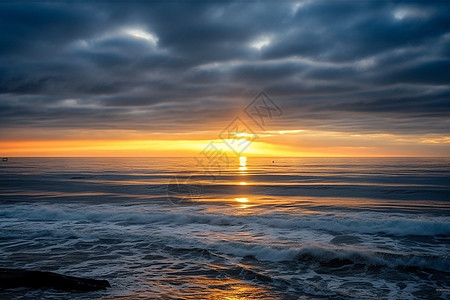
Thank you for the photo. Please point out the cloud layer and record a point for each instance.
(357, 66)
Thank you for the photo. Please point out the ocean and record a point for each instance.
(258, 228)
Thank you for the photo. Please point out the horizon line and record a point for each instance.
(229, 157)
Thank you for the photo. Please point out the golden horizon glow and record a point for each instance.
(294, 143)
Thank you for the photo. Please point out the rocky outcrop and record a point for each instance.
(14, 278)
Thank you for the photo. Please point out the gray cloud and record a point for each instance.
(371, 66)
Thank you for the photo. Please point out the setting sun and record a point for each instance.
(241, 200)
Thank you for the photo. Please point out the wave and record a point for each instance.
(367, 223)
(121, 216)
(337, 257)
(364, 223)
(324, 255)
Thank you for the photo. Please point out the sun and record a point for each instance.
(242, 163)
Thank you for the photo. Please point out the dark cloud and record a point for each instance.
(433, 72)
(370, 66)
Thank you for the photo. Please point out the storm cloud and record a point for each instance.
(357, 66)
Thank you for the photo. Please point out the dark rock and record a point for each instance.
(14, 278)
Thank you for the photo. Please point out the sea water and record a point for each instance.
(268, 228)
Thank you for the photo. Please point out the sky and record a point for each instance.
(168, 78)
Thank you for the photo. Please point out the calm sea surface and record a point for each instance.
(290, 228)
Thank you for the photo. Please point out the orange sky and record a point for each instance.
(289, 143)
(142, 83)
